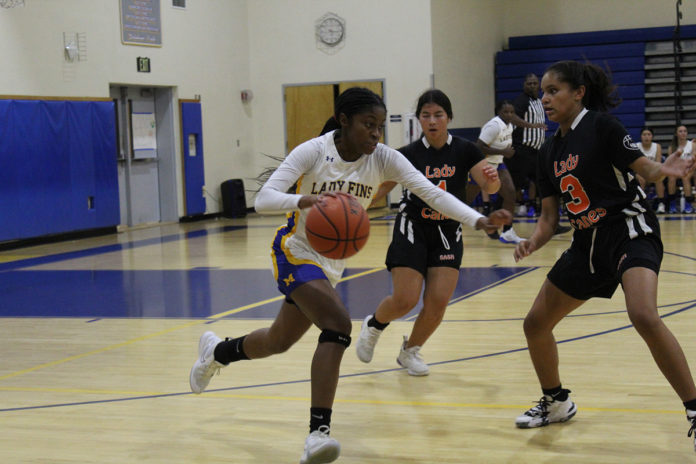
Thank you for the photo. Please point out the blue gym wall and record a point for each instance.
(58, 170)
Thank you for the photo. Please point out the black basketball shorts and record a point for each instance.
(522, 166)
(593, 266)
(421, 245)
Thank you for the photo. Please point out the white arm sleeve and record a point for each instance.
(273, 197)
(400, 170)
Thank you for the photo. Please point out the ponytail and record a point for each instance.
(330, 125)
(600, 93)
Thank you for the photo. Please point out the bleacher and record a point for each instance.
(641, 63)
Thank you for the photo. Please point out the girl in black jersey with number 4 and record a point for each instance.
(590, 163)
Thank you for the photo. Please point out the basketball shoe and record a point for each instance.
(205, 366)
(510, 236)
(546, 411)
(691, 417)
(411, 359)
(320, 447)
(660, 208)
(365, 348)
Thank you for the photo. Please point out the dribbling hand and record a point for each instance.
(494, 221)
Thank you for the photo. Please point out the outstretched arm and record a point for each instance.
(519, 122)
(674, 166)
(384, 188)
(487, 150)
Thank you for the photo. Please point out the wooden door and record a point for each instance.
(307, 107)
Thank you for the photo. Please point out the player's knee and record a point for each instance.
(645, 322)
(405, 301)
(534, 325)
(333, 336)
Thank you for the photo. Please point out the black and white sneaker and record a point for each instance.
(546, 411)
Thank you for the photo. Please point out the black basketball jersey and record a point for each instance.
(588, 169)
(448, 168)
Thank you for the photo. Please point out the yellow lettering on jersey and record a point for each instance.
(354, 188)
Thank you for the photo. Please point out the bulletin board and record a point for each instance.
(141, 22)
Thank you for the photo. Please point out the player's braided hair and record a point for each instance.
(600, 93)
(352, 101)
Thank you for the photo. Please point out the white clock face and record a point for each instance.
(331, 31)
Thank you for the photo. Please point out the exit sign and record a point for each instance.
(143, 64)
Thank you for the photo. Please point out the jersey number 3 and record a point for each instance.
(579, 199)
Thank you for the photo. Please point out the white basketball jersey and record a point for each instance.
(498, 135)
(316, 167)
(650, 153)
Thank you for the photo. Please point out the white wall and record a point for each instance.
(216, 48)
(466, 36)
(205, 51)
(385, 39)
(538, 17)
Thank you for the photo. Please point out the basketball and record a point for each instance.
(337, 227)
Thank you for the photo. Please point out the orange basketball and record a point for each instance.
(337, 227)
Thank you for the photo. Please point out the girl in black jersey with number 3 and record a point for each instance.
(590, 163)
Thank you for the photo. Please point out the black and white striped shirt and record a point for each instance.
(531, 110)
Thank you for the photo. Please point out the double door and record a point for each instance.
(308, 107)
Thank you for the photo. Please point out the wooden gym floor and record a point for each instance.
(98, 336)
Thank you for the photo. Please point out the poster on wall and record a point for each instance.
(141, 23)
(144, 135)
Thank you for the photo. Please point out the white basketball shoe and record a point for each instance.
(205, 366)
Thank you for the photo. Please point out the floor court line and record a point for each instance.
(358, 374)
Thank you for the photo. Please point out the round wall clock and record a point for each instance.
(330, 31)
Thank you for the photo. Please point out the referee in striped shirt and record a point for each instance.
(530, 127)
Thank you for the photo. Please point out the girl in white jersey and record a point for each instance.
(348, 160)
(652, 151)
(680, 140)
(495, 141)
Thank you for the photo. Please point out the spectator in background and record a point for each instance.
(680, 141)
(652, 151)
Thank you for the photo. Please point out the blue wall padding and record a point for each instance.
(194, 168)
(54, 155)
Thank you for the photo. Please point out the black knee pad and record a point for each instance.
(334, 337)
